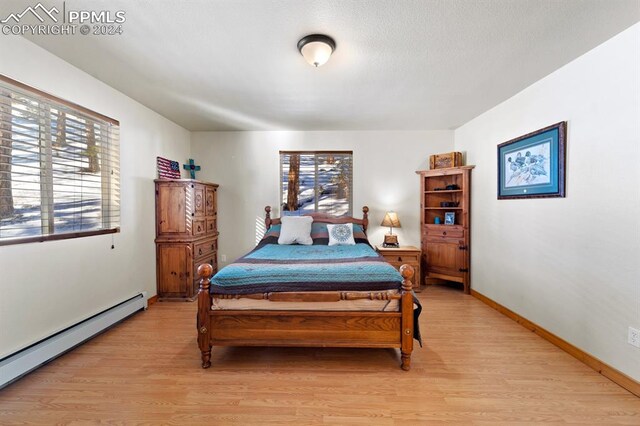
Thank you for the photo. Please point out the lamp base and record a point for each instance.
(390, 240)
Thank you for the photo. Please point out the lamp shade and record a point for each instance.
(391, 220)
(316, 49)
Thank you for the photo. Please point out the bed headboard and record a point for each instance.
(323, 217)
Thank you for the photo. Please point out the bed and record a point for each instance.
(308, 296)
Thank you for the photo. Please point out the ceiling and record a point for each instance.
(398, 65)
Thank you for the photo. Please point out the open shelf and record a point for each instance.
(444, 191)
(443, 208)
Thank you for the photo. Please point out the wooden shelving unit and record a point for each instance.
(445, 248)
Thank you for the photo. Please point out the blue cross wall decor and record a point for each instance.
(192, 168)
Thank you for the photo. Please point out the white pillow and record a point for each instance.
(341, 235)
(296, 229)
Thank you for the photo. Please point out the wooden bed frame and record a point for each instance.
(357, 329)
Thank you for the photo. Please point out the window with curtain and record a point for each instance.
(59, 167)
(316, 181)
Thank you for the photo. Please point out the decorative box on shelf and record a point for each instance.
(445, 161)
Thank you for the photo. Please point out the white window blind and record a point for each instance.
(59, 167)
(316, 182)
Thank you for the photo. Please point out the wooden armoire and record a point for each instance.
(445, 224)
(186, 235)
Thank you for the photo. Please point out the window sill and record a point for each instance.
(65, 236)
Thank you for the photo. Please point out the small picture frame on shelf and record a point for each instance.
(449, 218)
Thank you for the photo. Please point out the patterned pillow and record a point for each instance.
(341, 235)
(320, 233)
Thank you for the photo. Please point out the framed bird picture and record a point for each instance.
(533, 165)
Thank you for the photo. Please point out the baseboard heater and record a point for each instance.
(28, 359)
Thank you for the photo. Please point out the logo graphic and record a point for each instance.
(34, 11)
(86, 22)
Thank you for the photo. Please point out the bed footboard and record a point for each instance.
(363, 329)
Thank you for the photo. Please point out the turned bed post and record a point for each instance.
(267, 217)
(204, 306)
(365, 218)
(407, 316)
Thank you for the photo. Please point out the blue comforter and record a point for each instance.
(277, 268)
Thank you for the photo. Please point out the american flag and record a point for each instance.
(168, 169)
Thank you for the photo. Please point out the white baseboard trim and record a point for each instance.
(26, 360)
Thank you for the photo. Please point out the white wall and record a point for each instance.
(571, 265)
(45, 287)
(246, 165)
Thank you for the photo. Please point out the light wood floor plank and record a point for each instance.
(477, 367)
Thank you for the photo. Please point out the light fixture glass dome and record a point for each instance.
(316, 49)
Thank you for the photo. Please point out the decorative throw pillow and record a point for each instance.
(341, 235)
(320, 233)
(296, 229)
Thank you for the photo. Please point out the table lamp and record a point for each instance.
(391, 220)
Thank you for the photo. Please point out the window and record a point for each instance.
(316, 181)
(59, 167)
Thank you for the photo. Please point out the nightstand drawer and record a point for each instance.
(402, 258)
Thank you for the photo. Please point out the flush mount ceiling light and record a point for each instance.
(316, 48)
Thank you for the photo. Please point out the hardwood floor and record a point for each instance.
(477, 367)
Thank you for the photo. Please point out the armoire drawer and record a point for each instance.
(205, 248)
(199, 227)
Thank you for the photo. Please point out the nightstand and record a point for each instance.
(397, 256)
